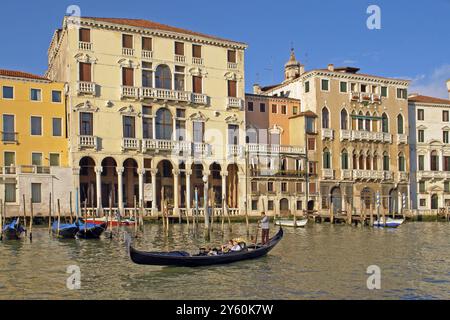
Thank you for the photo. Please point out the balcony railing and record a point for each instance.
(9, 137)
(403, 177)
(346, 174)
(376, 98)
(346, 135)
(147, 54)
(327, 134)
(365, 97)
(165, 94)
(86, 46)
(402, 139)
(327, 173)
(8, 170)
(199, 98)
(353, 135)
(130, 144)
(198, 61)
(371, 175)
(89, 142)
(199, 148)
(84, 87)
(232, 65)
(165, 145)
(434, 175)
(180, 59)
(235, 103)
(127, 51)
(34, 169)
(130, 92)
(387, 137)
(268, 149)
(235, 150)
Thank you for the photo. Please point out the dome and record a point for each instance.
(292, 60)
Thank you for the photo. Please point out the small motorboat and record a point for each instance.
(114, 222)
(89, 230)
(13, 230)
(290, 222)
(65, 230)
(184, 259)
(390, 223)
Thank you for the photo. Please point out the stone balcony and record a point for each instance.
(131, 144)
(85, 46)
(232, 65)
(235, 103)
(354, 135)
(402, 139)
(235, 150)
(365, 97)
(173, 95)
(327, 174)
(24, 169)
(129, 92)
(85, 88)
(274, 149)
(433, 175)
(147, 54)
(346, 174)
(188, 148)
(179, 59)
(197, 61)
(129, 52)
(371, 175)
(327, 134)
(87, 142)
(402, 176)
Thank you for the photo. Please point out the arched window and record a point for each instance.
(367, 121)
(434, 202)
(344, 160)
(344, 119)
(355, 161)
(375, 162)
(401, 162)
(360, 121)
(384, 123)
(361, 162)
(325, 118)
(368, 162)
(164, 124)
(163, 77)
(385, 162)
(326, 159)
(400, 124)
(434, 161)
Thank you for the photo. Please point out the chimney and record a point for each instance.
(331, 67)
(256, 89)
(448, 87)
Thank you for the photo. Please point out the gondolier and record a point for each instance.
(264, 224)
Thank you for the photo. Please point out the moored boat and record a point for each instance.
(13, 230)
(65, 230)
(390, 223)
(90, 230)
(291, 223)
(114, 222)
(184, 259)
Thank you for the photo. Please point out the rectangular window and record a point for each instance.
(294, 110)
(445, 116)
(446, 186)
(36, 126)
(127, 41)
(8, 134)
(179, 48)
(232, 88)
(421, 136)
(262, 107)
(420, 114)
(250, 106)
(231, 56)
(147, 127)
(85, 35)
(233, 134)
(312, 187)
(147, 78)
(180, 130)
(364, 88)
(421, 186)
(54, 160)
(36, 159)
(343, 87)
(147, 44)
(274, 108)
(254, 205)
(311, 144)
(445, 136)
(179, 78)
(402, 93)
(299, 187)
(299, 205)
(324, 85)
(56, 127)
(85, 72)
(129, 127)
(35, 94)
(310, 127)
(9, 159)
(86, 124)
(10, 192)
(312, 167)
(36, 193)
(254, 186)
(128, 77)
(283, 187)
(196, 51)
(56, 96)
(421, 160)
(306, 86)
(199, 131)
(384, 91)
(197, 84)
(8, 92)
(270, 205)
(283, 109)
(446, 163)
(270, 186)
(423, 202)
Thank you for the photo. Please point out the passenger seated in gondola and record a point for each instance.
(236, 247)
(227, 247)
(213, 252)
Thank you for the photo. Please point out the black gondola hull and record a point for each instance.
(12, 234)
(168, 259)
(92, 233)
(66, 233)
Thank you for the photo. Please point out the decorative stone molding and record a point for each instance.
(199, 116)
(128, 63)
(85, 58)
(198, 72)
(232, 76)
(233, 119)
(85, 106)
(276, 129)
(129, 111)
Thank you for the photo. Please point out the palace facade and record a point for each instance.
(153, 112)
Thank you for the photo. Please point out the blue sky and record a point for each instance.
(413, 41)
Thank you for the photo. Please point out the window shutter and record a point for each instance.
(128, 77)
(179, 48)
(196, 51)
(127, 41)
(85, 35)
(232, 88)
(85, 72)
(147, 44)
(197, 84)
(232, 56)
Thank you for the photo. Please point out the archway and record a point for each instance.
(163, 77)
(434, 202)
(310, 206)
(109, 182)
(284, 206)
(164, 124)
(232, 186)
(393, 201)
(366, 198)
(131, 183)
(164, 183)
(215, 183)
(88, 186)
(336, 200)
(197, 184)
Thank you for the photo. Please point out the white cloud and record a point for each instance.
(433, 84)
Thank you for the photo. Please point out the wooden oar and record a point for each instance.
(110, 216)
(85, 217)
(25, 214)
(223, 215)
(31, 219)
(186, 206)
(135, 218)
(59, 218)
(50, 213)
(70, 203)
(1, 219)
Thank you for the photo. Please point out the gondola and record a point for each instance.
(90, 230)
(390, 223)
(65, 230)
(184, 259)
(13, 230)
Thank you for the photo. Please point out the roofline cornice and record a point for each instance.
(357, 77)
(25, 79)
(426, 104)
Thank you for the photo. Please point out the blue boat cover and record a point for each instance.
(63, 226)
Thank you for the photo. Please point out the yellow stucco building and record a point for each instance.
(33, 148)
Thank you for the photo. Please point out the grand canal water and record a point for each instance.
(319, 262)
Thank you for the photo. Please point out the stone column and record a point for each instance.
(120, 171)
(154, 127)
(76, 190)
(98, 184)
(176, 183)
(188, 191)
(154, 208)
(141, 173)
